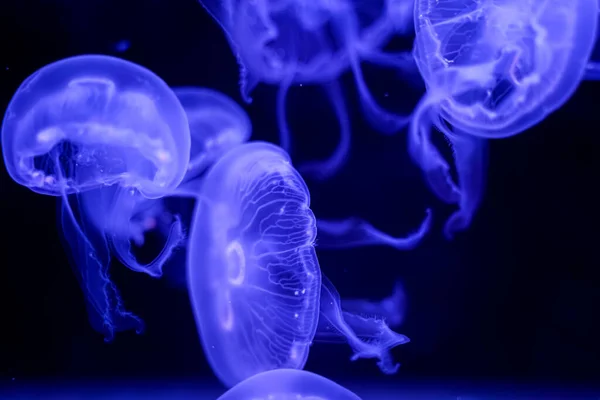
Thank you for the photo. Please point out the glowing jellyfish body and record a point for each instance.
(99, 132)
(217, 124)
(492, 69)
(314, 42)
(288, 384)
(253, 276)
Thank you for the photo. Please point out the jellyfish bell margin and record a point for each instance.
(288, 383)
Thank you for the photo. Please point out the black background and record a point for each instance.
(514, 299)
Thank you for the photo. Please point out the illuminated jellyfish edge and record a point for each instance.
(301, 383)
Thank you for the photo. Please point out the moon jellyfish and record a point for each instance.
(217, 124)
(492, 69)
(99, 133)
(288, 384)
(253, 276)
(315, 42)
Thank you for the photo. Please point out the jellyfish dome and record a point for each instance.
(496, 68)
(217, 124)
(288, 384)
(253, 275)
(96, 120)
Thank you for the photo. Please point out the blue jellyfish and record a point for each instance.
(284, 384)
(217, 124)
(100, 133)
(254, 280)
(313, 42)
(492, 70)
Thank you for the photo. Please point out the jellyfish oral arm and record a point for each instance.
(356, 232)
(391, 308)
(368, 336)
(427, 157)
(285, 137)
(325, 169)
(90, 258)
(122, 248)
(470, 156)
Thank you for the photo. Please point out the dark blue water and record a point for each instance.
(513, 302)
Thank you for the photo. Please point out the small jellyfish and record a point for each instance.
(492, 70)
(288, 384)
(100, 133)
(217, 125)
(253, 276)
(301, 42)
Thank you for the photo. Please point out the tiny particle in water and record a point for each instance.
(122, 45)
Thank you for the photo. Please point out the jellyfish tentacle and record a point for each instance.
(382, 120)
(356, 232)
(285, 137)
(368, 336)
(470, 155)
(325, 169)
(391, 308)
(90, 260)
(427, 157)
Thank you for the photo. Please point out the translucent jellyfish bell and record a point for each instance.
(492, 70)
(217, 124)
(287, 384)
(122, 123)
(315, 42)
(101, 133)
(253, 276)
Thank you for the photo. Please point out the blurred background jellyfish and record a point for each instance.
(217, 124)
(492, 70)
(254, 280)
(283, 384)
(100, 133)
(314, 42)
